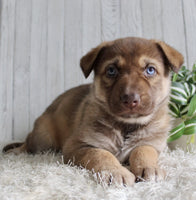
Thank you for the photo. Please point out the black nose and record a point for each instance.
(130, 100)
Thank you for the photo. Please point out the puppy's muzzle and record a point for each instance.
(131, 100)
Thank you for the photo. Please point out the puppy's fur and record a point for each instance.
(122, 117)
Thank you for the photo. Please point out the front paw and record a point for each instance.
(143, 163)
(120, 176)
(149, 174)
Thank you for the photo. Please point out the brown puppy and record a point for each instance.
(121, 118)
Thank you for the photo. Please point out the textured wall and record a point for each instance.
(41, 42)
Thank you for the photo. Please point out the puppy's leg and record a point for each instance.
(39, 140)
(103, 163)
(143, 163)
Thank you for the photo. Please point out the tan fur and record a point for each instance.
(92, 125)
(143, 163)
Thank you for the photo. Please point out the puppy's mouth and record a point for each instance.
(130, 103)
(132, 112)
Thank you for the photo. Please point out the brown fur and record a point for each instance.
(117, 119)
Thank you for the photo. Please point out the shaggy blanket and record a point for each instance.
(45, 177)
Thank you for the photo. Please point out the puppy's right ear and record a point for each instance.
(87, 62)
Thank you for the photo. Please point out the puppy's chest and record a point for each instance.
(119, 138)
(128, 130)
(125, 141)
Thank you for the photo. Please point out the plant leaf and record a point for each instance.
(175, 76)
(176, 132)
(178, 94)
(179, 89)
(192, 89)
(189, 78)
(192, 139)
(194, 77)
(187, 89)
(174, 110)
(178, 99)
(190, 127)
(183, 68)
(184, 110)
(192, 106)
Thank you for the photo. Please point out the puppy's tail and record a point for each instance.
(16, 148)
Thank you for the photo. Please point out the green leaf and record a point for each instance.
(175, 76)
(189, 78)
(183, 68)
(184, 110)
(187, 89)
(179, 89)
(173, 114)
(174, 110)
(180, 76)
(194, 77)
(192, 89)
(176, 132)
(190, 127)
(178, 99)
(192, 106)
(194, 118)
(192, 139)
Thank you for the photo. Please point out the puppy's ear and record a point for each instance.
(87, 62)
(172, 57)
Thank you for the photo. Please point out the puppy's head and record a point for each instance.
(132, 76)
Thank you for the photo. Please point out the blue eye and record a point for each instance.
(111, 71)
(150, 70)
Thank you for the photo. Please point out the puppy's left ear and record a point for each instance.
(172, 57)
(87, 62)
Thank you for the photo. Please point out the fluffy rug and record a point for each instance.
(45, 177)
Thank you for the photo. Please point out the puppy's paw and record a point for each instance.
(143, 163)
(120, 176)
(150, 174)
(15, 148)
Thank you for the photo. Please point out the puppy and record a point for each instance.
(122, 117)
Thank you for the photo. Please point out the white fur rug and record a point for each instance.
(45, 177)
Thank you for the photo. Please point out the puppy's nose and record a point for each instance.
(130, 100)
